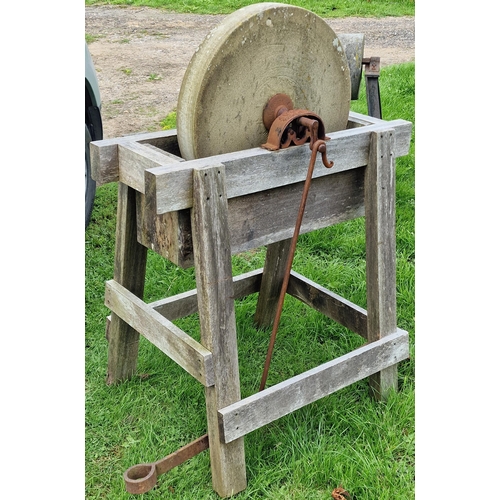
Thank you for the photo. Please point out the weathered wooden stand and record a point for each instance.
(203, 211)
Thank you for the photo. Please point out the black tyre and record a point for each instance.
(89, 182)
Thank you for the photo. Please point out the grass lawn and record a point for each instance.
(324, 8)
(344, 439)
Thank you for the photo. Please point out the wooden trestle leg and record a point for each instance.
(272, 280)
(214, 283)
(130, 272)
(380, 220)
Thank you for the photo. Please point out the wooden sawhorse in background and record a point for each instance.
(203, 211)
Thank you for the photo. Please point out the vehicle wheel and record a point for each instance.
(89, 182)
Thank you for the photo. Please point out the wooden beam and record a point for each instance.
(380, 223)
(251, 413)
(272, 281)
(130, 272)
(184, 304)
(135, 158)
(212, 257)
(257, 169)
(104, 154)
(332, 199)
(328, 303)
(171, 340)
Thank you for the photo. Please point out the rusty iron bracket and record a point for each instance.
(143, 477)
(288, 126)
(372, 72)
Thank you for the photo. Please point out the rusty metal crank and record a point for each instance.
(143, 477)
(319, 146)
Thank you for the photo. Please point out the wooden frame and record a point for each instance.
(201, 212)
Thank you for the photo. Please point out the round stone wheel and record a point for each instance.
(255, 53)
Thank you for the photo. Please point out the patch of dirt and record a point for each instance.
(141, 54)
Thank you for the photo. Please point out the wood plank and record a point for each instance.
(212, 256)
(129, 271)
(328, 303)
(104, 153)
(272, 281)
(359, 120)
(257, 169)
(186, 303)
(251, 413)
(105, 160)
(135, 158)
(171, 340)
(380, 223)
(169, 234)
(331, 200)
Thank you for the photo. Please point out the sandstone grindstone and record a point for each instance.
(257, 52)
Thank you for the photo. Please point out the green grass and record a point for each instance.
(344, 439)
(324, 8)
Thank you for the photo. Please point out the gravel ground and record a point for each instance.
(141, 54)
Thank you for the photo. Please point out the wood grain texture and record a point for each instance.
(135, 158)
(104, 156)
(331, 200)
(186, 303)
(212, 257)
(171, 340)
(272, 280)
(251, 413)
(380, 223)
(257, 169)
(328, 303)
(130, 272)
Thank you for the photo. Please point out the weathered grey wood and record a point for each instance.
(184, 304)
(251, 413)
(331, 200)
(169, 234)
(104, 153)
(130, 272)
(212, 256)
(135, 158)
(359, 120)
(171, 340)
(328, 303)
(272, 281)
(381, 251)
(257, 169)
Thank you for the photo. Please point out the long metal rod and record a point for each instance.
(317, 146)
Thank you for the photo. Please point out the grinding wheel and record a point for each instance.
(255, 53)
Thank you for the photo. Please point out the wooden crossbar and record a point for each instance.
(257, 169)
(249, 171)
(171, 340)
(186, 303)
(251, 413)
(330, 304)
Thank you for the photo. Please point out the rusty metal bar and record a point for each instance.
(143, 477)
(317, 146)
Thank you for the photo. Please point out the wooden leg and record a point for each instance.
(272, 279)
(130, 272)
(214, 283)
(381, 251)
